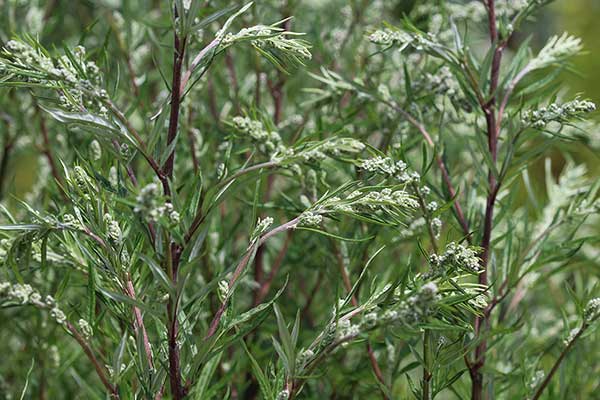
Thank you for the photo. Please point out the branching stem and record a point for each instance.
(112, 390)
(557, 363)
(493, 131)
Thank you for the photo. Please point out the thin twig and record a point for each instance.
(143, 149)
(139, 321)
(441, 166)
(176, 91)
(277, 94)
(489, 109)
(234, 80)
(114, 393)
(214, 325)
(427, 375)
(348, 285)
(192, 142)
(511, 87)
(4, 157)
(186, 77)
(200, 217)
(174, 250)
(46, 150)
(127, 56)
(557, 363)
(266, 285)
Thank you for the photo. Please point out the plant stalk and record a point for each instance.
(426, 371)
(174, 251)
(557, 363)
(493, 130)
(178, 57)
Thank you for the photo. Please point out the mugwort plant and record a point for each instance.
(294, 200)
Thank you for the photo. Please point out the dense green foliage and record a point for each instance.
(294, 199)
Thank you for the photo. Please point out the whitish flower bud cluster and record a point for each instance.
(262, 226)
(571, 336)
(403, 39)
(69, 221)
(432, 206)
(415, 308)
(305, 356)
(333, 148)
(592, 310)
(415, 227)
(124, 150)
(329, 335)
(383, 165)
(387, 200)
(388, 167)
(454, 255)
(5, 245)
(436, 227)
(346, 330)
(268, 142)
(479, 301)
(444, 85)
(223, 290)
(125, 258)
(386, 197)
(509, 8)
(147, 198)
(113, 177)
(81, 178)
(95, 150)
(265, 37)
(472, 10)
(283, 395)
(442, 82)
(558, 113)
(557, 49)
(149, 203)
(85, 328)
(165, 213)
(369, 320)
(442, 341)
(54, 356)
(113, 230)
(25, 294)
(310, 218)
(388, 37)
(536, 379)
(78, 78)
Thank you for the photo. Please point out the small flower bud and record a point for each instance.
(95, 150)
(85, 328)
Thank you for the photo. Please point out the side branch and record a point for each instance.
(442, 167)
(114, 393)
(175, 102)
(214, 325)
